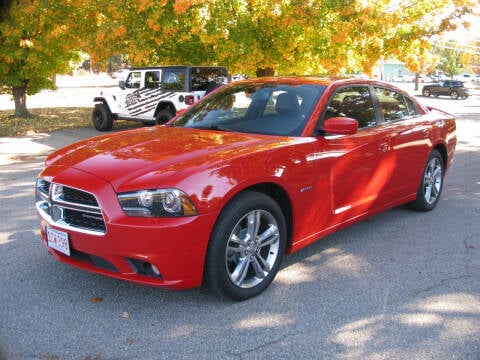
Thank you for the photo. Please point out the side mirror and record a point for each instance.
(121, 84)
(340, 126)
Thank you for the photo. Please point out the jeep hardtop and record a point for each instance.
(153, 95)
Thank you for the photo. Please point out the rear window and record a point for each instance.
(394, 105)
(173, 79)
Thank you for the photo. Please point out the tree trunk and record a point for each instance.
(20, 98)
(265, 72)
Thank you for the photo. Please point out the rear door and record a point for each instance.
(408, 142)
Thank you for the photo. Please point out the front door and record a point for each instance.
(141, 95)
(361, 171)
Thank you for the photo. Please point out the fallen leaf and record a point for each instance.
(126, 315)
(96, 300)
(131, 341)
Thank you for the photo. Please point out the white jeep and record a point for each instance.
(153, 95)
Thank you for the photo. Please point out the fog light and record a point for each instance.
(155, 270)
(150, 269)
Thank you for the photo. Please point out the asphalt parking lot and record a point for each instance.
(400, 285)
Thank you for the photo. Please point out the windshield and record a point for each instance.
(262, 108)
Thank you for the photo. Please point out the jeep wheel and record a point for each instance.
(454, 94)
(426, 92)
(102, 119)
(163, 116)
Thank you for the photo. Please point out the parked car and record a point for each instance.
(252, 171)
(453, 88)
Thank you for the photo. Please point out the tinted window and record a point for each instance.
(353, 102)
(411, 107)
(392, 104)
(204, 79)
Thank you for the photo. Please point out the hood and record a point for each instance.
(135, 156)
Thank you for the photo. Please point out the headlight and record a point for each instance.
(157, 203)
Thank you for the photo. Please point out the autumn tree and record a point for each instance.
(420, 58)
(320, 37)
(147, 32)
(449, 54)
(470, 56)
(38, 37)
(36, 41)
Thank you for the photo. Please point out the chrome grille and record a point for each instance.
(78, 196)
(69, 208)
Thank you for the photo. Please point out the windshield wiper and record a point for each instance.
(213, 127)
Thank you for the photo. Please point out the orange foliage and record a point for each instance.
(181, 6)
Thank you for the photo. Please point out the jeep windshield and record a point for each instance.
(253, 107)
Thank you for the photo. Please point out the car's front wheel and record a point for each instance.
(431, 184)
(246, 247)
(426, 92)
(101, 117)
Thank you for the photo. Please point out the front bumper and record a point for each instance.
(163, 252)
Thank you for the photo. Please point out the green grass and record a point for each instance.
(51, 119)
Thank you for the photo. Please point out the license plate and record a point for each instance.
(58, 240)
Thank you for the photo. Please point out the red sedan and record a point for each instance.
(255, 170)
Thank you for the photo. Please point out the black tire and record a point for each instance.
(426, 92)
(246, 246)
(431, 184)
(102, 118)
(454, 94)
(163, 116)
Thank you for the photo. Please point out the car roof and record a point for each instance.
(326, 81)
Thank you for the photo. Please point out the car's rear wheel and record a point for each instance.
(426, 92)
(163, 116)
(246, 247)
(101, 117)
(454, 94)
(431, 184)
